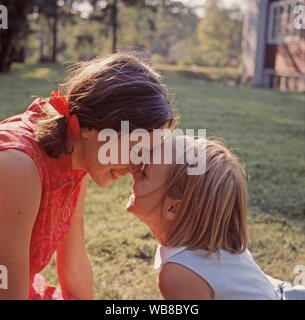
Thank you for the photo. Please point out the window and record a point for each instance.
(281, 17)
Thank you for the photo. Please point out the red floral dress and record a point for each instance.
(60, 189)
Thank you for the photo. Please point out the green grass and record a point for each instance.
(225, 75)
(26, 82)
(266, 129)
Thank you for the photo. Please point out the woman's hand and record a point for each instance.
(20, 194)
(73, 268)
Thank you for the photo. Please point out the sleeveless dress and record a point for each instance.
(232, 276)
(60, 186)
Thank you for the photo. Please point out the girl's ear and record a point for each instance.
(173, 207)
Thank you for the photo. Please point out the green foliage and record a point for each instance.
(169, 30)
(220, 35)
(157, 30)
(154, 27)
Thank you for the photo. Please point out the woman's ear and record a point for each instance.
(172, 209)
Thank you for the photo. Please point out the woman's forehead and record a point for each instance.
(158, 171)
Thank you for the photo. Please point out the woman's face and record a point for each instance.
(102, 174)
(105, 174)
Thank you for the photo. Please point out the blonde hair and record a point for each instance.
(213, 210)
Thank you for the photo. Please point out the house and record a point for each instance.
(274, 44)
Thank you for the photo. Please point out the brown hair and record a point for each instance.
(213, 210)
(105, 91)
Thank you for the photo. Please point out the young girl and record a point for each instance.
(46, 156)
(200, 223)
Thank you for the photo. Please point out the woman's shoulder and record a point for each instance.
(16, 164)
(17, 139)
(20, 197)
(19, 181)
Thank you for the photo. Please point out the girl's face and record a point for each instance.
(148, 191)
(149, 201)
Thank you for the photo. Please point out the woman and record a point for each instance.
(46, 156)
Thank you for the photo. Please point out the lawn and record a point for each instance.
(265, 128)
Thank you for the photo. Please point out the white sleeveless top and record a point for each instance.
(232, 276)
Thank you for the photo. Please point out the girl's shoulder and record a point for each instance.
(164, 254)
(176, 282)
(231, 276)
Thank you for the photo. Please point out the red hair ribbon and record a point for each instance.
(60, 104)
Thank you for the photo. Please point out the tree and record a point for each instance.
(13, 38)
(109, 10)
(220, 32)
(175, 23)
(49, 9)
(51, 16)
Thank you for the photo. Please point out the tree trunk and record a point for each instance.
(54, 32)
(114, 25)
(17, 30)
(41, 40)
(5, 49)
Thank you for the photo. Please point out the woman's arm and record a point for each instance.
(20, 194)
(73, 267)
(179, 283)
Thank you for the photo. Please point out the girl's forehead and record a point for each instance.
(165, 155)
